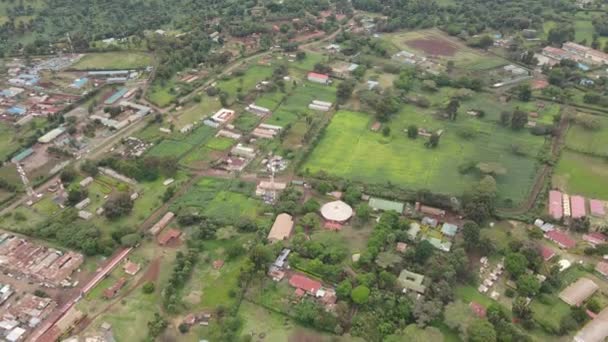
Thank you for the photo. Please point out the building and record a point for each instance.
(577, 204)
(86, 182)
(566, 205)
(131, 268)
(547, 253)
(258, 110)
(51, 135)
(111, 291)
(594, 331)
(414, 230)
(602, 268)
(170, 235)
(223, 115)
(595, 238)
(555, 205)
(597, 208)
(281, 228)
(576, 293)
(478, 309)
(561, 238)
(385, 205)
(336, 211)
(411, 281)
(21, 156)
(318, 78)
(304, 283)
(424, 209)
(449, 229)
(162, 223)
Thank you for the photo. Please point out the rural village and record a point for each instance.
(324, 178)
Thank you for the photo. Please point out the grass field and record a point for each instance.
(580, 174)
(348, 143)
(162, 95)
(113, 60)
(219, 143)
(587, 141)
(245, 82)
(584, 30)
(196, 112)
(169, 148)
(227, 200)
(549, 314)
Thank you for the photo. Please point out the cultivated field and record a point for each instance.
(113, 60)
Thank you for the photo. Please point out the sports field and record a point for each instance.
(351, 150)
(113, 60)
(586, 141)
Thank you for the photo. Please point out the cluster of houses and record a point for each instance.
(585, 56)
(489, 277)
(563, 206)
(20, 318)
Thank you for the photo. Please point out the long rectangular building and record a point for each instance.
(555, 204)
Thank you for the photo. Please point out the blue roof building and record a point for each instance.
(16, 111)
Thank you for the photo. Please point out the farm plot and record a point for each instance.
(581, 174)
(347, 145)
(594, 142)
(169, 148)
(206, 107)
(113, 60)
(297, 103)
(246, 81)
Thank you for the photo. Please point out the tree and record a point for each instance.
(521, 309)
(423, 251)
(528, 285)
(412, 333)
(344, 289)
(344, 91)
(90, 167)
(310, 206)
(524, 92)
(130, 240)
(433, 140)
(478, 203)
(412, 131)
(470, 231)
(426, 311)
(364, 212)
(519, 119)
(516, 264)
(386, 131)
(148, 287)
(360, 294)
(481, 331)
(580, 224)
(452, 108)
(76, 194)
(67, 175)
(458, 316)
(310, 221)
(118, 205)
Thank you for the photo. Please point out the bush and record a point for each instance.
(509, 292)
(148, 287)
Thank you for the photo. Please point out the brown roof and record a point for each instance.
(168, 236)
(131, 268)
(596, 330)
(111, 291)
(579, 291)
(602, 268)
(217, 264)
(282, 228)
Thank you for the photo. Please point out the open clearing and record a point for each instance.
(348, 144)
(581, 174)
(113, 60)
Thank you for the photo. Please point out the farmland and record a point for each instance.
(114, 60)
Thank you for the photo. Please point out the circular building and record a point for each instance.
(336, 211)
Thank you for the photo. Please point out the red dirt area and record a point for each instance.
(433, 46)
(151, 273)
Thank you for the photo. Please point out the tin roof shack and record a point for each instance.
(281, 229)
(48, 266)
(64, 325)
(30, 310)
(169, 236)
(427, 210)
(111, 291)
(131, 268)
(161, 224)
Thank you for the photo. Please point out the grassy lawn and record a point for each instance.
(589, 141)
(169, 148)
(470, 294)
(113, 60)
(246, 122)
(246, 82)
(348, 143)
(228, 205)
(198, 111)
(549, 315)
(580, 174)
(219, 143)
(197, 157)
(161, 95)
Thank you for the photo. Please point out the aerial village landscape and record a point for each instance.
(304, 171)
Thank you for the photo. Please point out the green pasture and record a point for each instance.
(549, 314)
(349, 149)
(246, 82)
(220, 143)
(198, 136)
(197, 157)
(246, 122)
(169, 148)
(195, 113)
(577, 173)
(594, 142)
(113, 61)
(297, 103)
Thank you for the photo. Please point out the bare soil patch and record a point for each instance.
(433, 46)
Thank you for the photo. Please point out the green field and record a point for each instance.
(245, 82)
(207, 107)
(584, 175)
(162, 95)
(227, 200)
(346, 148)
(113, 60)
(586, 141)
(169, 148)
(219, 143)
(549, 315)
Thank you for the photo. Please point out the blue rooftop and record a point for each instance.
(16, 110)
(117, 95)
(79, 83)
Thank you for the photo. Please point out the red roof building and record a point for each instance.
(111, 291)
(577, 203)
(131, 268)
(300, 281)
(169, 236)
(217, 264)
(602, 268)
(597, 208)
(478, 309)
(318, 78)
(547, 253)
(561, 238)
(555, 204)
(595, 238)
